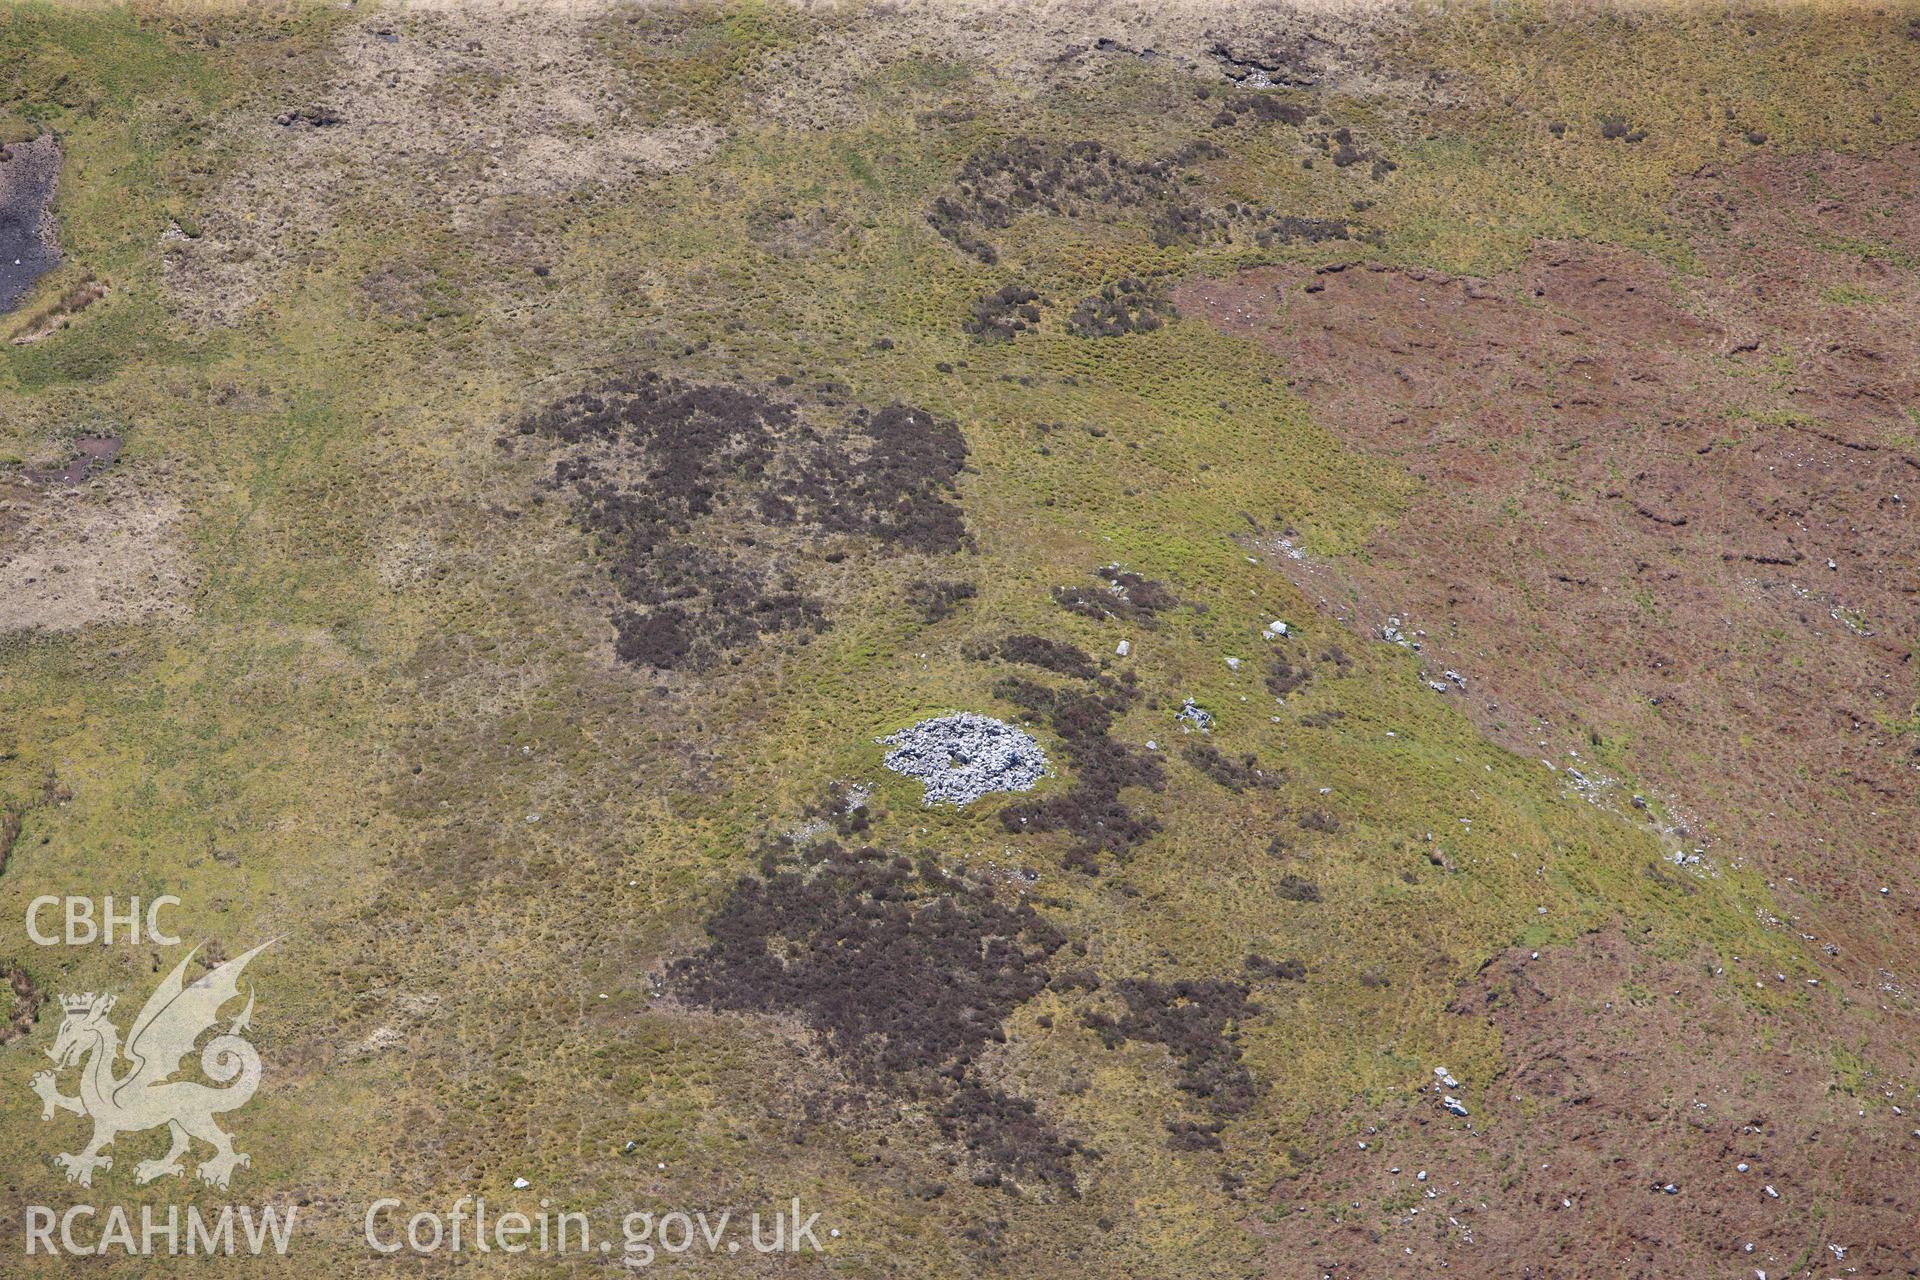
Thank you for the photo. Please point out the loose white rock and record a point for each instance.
(1196, 715)
(962, 756)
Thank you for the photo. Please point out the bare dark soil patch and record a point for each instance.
(711, 503)
(1315, 59)
(28, 174)
(1675, 513)
(92, 454)
(1626, 1075)
(1672, 516)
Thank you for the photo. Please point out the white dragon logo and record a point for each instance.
(144, 1098)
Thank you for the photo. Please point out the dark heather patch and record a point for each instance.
(1007, 1136)
(1088, 181)
(1195, 1135)
(998, 316)
(1341, 147)
(894, 486)
(936, 599)
(1127, 596)
(1197, 1020)
(1319, 820)
(1048, 655)
(1283, 677)
(1070, 179)
(842, 809)
(906, 974)
(1090, 809)
(1234, 775)
(705, 501)
(1126, 306)
(309, 118)
(1295, 889)
(1261, 108)
(1289, 970)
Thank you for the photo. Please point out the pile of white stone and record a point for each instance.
(961, 756)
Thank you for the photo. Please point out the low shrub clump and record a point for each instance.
(1127, 596)
(1089, 181)
(1295, 889)
(936, 599)
(1283, 677)
(1048, 655)
(1234, 775)
(1126, 306)
(1090, 809)
(906, 973)
(1197, 1020)
(1082, 179)
(998, 316)
(691, 491)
